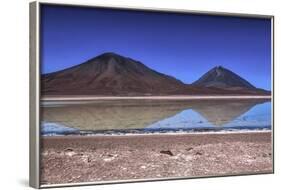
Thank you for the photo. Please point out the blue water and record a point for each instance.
(208, 118)
(258, 117)
(50, 129)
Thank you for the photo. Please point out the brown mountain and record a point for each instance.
(112, 74)
(222, 78)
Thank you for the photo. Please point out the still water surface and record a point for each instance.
(146, 116)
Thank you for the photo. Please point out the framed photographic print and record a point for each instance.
(122, 94)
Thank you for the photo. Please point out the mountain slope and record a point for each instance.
(220, 77)
(109, 74)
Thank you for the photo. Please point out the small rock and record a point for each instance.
(107, 159)
(143, 167)
(189, 149)
(168, 152)
(68, 150)
(198, 153)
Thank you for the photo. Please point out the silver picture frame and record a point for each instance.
(34, 97)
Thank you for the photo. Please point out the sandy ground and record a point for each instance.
(191, 97)
(72, 159)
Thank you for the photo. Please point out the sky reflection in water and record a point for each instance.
(128, 117)
(257, 117)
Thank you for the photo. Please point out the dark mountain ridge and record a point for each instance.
(220, 77)
(112, 74)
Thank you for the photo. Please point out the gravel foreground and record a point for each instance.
(75, 159)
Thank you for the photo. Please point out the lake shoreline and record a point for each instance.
(148, 133)
(75, 159)
(179, 97)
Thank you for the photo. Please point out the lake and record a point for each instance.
(149, 116)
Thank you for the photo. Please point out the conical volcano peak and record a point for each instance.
(219, 70)
(111, 74)
(110, 55)
(219, 67)
(221, 77)
(110, 59)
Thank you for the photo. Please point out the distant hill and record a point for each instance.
(222, 78)
(110, 74)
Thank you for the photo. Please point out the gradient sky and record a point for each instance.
(182, 45)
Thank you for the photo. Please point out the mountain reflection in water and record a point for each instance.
(255, 117)
(156, 115)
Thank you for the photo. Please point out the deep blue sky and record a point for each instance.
(184, 46)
